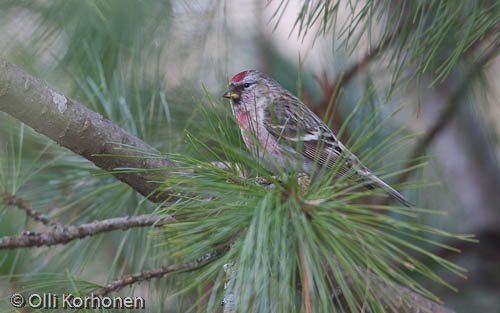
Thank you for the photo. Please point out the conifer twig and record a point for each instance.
(394, 298)
(331, 90)
(69, 233)
(306, 298)
(130, 279)
(449, 110)
(22, 204)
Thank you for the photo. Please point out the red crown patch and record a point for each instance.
(239, 77)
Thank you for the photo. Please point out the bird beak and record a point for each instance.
(231, 95)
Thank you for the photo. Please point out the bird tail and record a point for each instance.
(375, 181)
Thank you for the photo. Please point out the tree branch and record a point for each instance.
(331, 90)
(131, 279)
(404, 300)
(394, 298)
(25, 206)
(306, 298)
(79, 129)
(450, 109)
(69, 233)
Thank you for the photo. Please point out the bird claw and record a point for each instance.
(304, 180)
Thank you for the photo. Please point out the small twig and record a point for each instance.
(228, 301)
(131, 279)
(224, 166)
(331, 90)
(357, 67)
(449, 111)
(264, 181)
(22, 204)
(69, 233)
(145, 275)
(306, 298)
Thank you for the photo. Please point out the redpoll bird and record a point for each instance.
(283, 131)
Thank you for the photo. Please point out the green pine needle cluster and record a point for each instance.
(430, 36)
(283, 230)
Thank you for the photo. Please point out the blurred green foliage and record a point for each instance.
(127, 60)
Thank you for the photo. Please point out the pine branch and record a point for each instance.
(398, 302)
(79, 129)
(25, 206)
(451, 107)
(395, 298)
(332, 90)
(131, 279)
(346, 76)
(128, 280)
(87, 133)
(69, 233)
(306, 298)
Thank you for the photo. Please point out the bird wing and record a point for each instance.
(292, 122)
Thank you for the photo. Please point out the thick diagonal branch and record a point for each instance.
(79, 129)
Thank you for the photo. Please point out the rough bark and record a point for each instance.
(69, 233)
(79, 129)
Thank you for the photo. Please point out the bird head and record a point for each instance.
(249, 86)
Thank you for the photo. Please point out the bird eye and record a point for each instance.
(246, 85)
